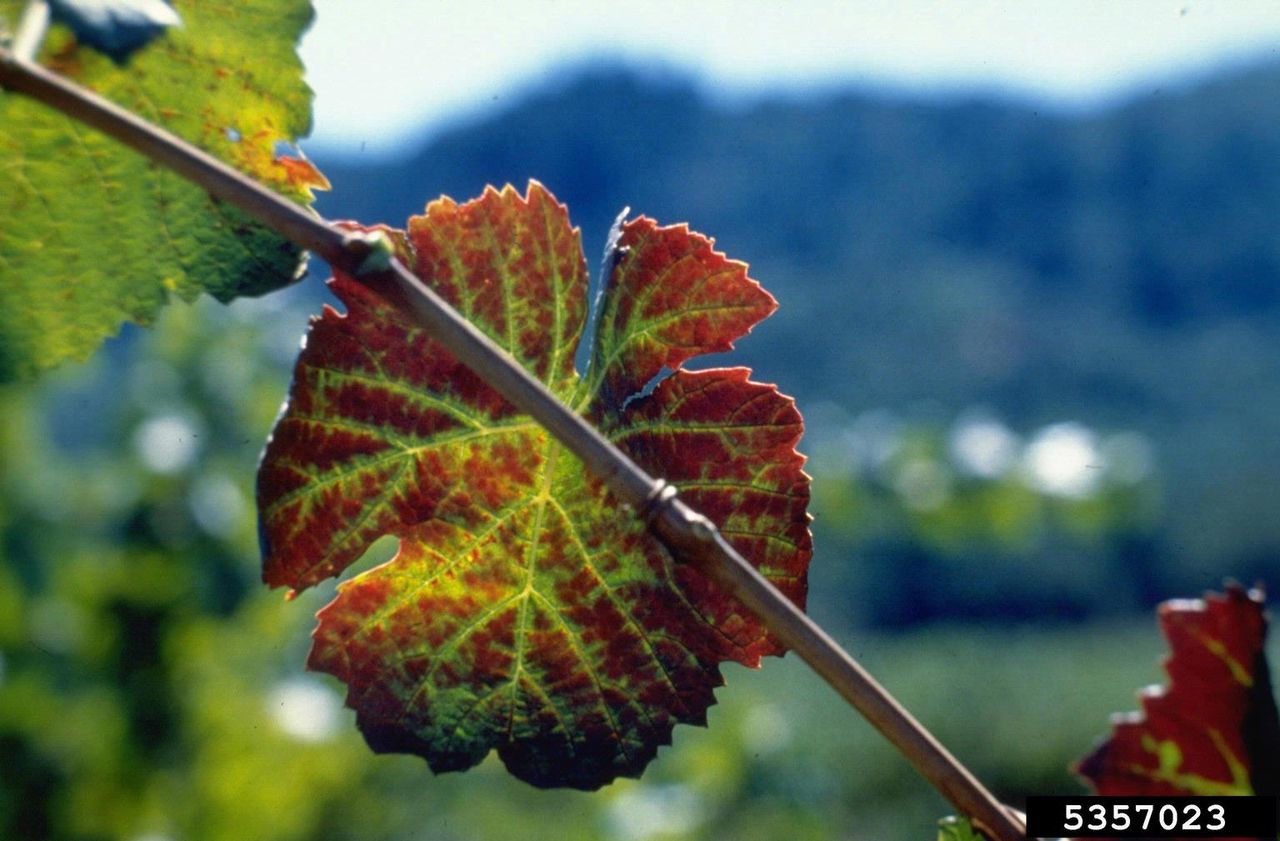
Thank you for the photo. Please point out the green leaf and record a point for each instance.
(957, 829)
(93, 234)
(1214, 730)
(527, 610)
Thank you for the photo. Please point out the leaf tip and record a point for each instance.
(300, 174)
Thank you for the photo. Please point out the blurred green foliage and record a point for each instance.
(151, 689)
(969, 521)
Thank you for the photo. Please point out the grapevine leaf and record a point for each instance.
(1213, 731)
(115, 27)
(93, 234)
(526, 610)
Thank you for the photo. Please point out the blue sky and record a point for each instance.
(385, 70)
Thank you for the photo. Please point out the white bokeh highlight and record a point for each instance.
(305, 710)
(167, 444)
(1064, 460)
(983, 447)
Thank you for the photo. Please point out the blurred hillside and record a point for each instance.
(947, 268)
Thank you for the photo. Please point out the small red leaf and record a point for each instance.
(1214, 729)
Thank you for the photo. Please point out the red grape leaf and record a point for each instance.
(1214, 730)
(526, 610)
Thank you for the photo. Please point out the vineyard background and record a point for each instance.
(1038, 355)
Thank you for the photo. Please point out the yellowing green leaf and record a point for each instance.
(93, 234)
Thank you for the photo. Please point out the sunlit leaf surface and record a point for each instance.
(93, 234)
(1213, 730)
(528, 611)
